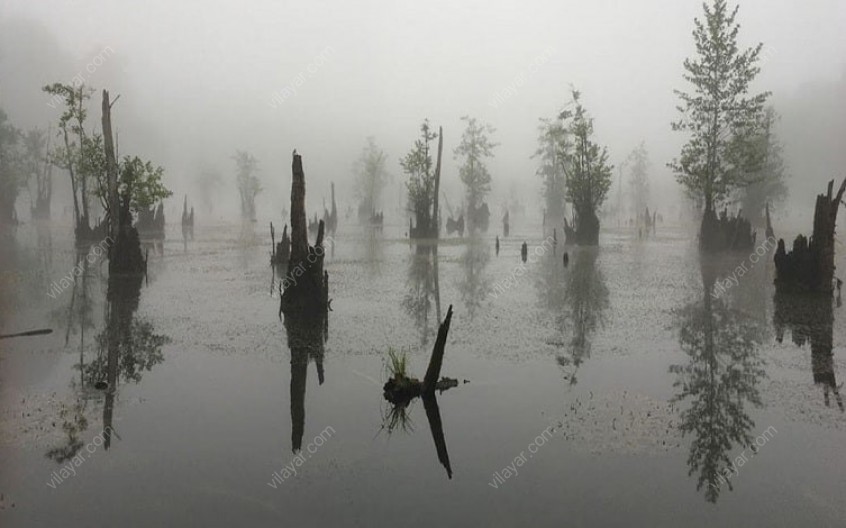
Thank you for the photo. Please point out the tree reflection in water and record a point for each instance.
(127, 347)
(577, 296)
(423, 289)
(811, 318)
(474, 286)
(307, 335)
(720, 378)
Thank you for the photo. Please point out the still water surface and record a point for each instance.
(617, 391)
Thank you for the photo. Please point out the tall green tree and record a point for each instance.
(552, 146)
(719, 116)
(475, 147)
(639, 178)
(417, 164)
(74, 153)
(587, 173)
(248, 183)
(768, 182)
(37, 172)
(10, 170)
(371, 176)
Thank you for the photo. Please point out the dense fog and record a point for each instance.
(199, 80)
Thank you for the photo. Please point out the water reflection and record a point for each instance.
(374, 250)
(131, 344)
(423, 289)
(577, 296)
(307, 335)
(474, 285)
(126, 348)
(721, 377)
(433, 415)
(811, 319)
(79, 319)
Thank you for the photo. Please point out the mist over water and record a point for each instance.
(474, 356)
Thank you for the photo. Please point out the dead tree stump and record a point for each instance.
(809, 267)
(305, 285)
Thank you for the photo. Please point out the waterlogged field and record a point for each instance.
(638, 386)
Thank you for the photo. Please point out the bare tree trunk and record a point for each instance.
(113, 216)
(435, 219)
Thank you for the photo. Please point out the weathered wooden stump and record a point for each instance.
(809, 267)
(305, 286)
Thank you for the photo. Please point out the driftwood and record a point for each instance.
(29, 333)
(402, 389)
(305, 285)
(809, 267)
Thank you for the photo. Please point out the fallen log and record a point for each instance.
(29, 333)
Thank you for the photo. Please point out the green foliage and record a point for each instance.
(715, 386)
(74, 152)
(586, 169)
(370, 175)
(75, 99)
(417, 164)
(639, 178)
(141, 182)
(10, 167)
(720, 117)
(397, 364)
(768, 182)
(552, 145)
(248, 184)
(475, 146)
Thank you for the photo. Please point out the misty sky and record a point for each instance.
(199, 79)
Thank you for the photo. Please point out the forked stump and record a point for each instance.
(305, 283)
